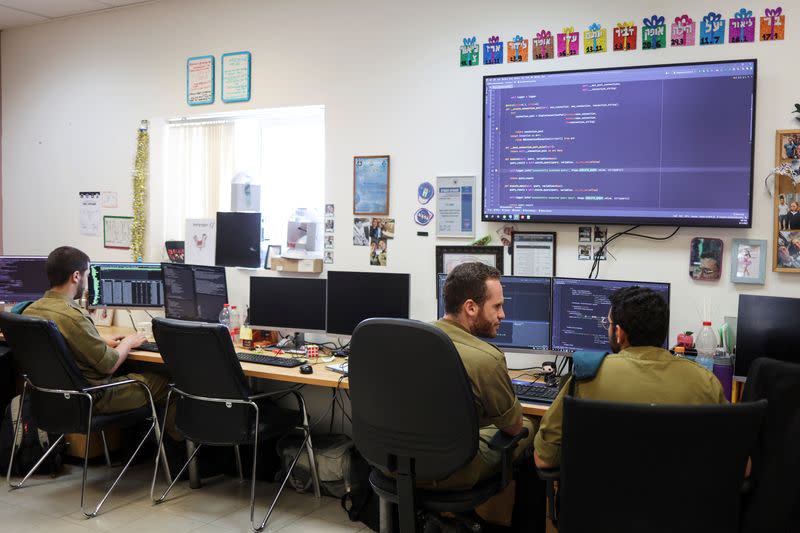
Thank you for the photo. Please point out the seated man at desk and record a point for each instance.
(638, 323)
(96, 356)
(473, 303)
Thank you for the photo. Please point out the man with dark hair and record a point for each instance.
(97, 356)
(473, 302)
(638, 371)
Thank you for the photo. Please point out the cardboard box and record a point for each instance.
(283, 264)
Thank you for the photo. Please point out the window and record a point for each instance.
(282, 149)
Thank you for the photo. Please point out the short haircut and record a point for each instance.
(465, 282)
(62, 262)
(642, 313)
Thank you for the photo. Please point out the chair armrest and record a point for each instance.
(272, 393)
(505, 444)
(109, 385)
(549, 474)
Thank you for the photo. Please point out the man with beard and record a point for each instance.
(96, 356)
(473, 303)
(638, 371)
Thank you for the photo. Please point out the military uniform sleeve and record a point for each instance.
(717, 393)
(547, 442)
(83, 338)
(500, 404)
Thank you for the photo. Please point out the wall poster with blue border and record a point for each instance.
(200, 80)
(236, 77)
(371, 185)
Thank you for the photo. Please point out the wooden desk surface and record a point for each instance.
(321, 377)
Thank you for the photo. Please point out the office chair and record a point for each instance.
(771, 500)
(655, 468)
(215, 405)
(414, 418)
(61, 399)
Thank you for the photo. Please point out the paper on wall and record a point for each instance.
(89, 213)
(201, 241)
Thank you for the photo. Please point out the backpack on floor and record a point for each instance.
(32, 443)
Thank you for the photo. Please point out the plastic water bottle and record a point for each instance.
(235, 325)
(706, 345)
(225, 316)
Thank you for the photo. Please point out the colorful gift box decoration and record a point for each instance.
(594, 39)
(567, 42)
(683, 31)
(543, 45)
(654, 33)
(625, 36)
(772, 24)
(493, 51)
(517, 50)
(712, 29)
(742, 27)
(469, 52)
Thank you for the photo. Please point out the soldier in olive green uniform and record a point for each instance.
(96, 356)
(639, 371)
(474, 306)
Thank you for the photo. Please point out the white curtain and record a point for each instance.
(199, 170)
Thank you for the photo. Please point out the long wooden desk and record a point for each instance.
(322, 377)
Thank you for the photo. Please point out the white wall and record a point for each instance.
(73, 92)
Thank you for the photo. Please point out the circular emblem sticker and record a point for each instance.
(425, 192)
(423, 216)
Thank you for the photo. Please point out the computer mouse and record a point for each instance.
(306, 369)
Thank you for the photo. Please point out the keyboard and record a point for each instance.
(273, 360)
(534, 392)
(148, 347)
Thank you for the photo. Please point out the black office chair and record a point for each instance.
(655, 468)
(771, 501)
(215, 405)
(414, 417)
(61, 398)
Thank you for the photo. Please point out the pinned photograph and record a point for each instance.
(504, 234)
(328, 225)
(329, 210)
(786, 197)
(584, 252)
(600, 234)
(329, 242)
(378, 250)
(705, 258)
(749, 261)
(361, 231)
(599, 252)
(584, 234)
(789, 250)
(381, 228)
(328, 257)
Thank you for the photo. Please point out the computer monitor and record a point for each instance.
(287, 303)
(194, 292)
(238, 239)
(579, 306)
(526, 304)
(356, 296)
(131, 285)
(22, 278)
(767, 327)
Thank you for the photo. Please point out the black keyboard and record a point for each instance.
(148, 347)
(273, 360)
(535, 392)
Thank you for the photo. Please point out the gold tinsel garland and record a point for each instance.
(140, 173)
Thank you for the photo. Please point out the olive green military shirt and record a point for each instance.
(94, 357)
(486, 367)
(638, 374)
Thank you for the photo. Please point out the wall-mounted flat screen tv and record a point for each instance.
(657, 145)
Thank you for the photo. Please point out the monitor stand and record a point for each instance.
(532, 359)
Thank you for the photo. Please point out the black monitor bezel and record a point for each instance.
(407, 276)
(42, 257)
(292, 279)
(593, 219)
(89, 290)
(191, 266)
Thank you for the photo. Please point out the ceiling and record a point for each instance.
(14, 13)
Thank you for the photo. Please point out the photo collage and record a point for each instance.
(375, 233)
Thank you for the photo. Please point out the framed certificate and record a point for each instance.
(455, 206)
(236, 77)
(200, 80)
(371, 185)
(533, 253)
(449, 257)
(117, 232)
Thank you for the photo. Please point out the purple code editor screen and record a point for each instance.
(670, 144)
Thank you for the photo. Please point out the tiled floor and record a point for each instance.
(221, 505)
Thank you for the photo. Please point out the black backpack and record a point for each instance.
(32, 443)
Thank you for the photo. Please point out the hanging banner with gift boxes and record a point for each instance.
(683, 31)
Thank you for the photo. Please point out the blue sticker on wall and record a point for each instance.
(423, 216)
(425, 192)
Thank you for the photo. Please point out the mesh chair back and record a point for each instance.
(771, 506)
(654, 468)
(202, 362)
(411, 397)
(40, 352)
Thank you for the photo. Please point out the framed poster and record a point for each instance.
(449, 257)
(786, 219)
(533, 253)
(200, 80)
(371, 185)
(748, 261)
(117, 232)
(236, 77)
(455, 206)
